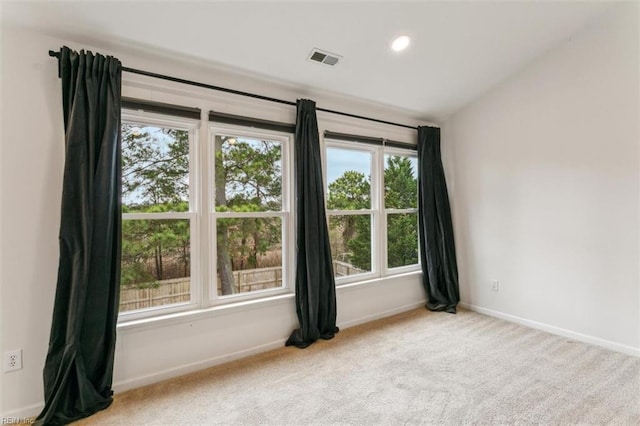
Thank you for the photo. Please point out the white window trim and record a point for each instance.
(286, 215)
(192, 126)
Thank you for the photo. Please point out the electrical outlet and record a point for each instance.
(13, 360)
(495, 285)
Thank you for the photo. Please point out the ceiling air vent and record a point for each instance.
(324, 57)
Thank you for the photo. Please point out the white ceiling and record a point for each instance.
(458, 51)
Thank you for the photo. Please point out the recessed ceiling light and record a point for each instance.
(400, 43)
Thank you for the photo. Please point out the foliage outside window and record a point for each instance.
(157, 213)
(250, 214)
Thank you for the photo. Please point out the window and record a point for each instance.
(372, 195)
(193, 240)
(158, 212)
(250, 213)
(401, 209)
(351, 209)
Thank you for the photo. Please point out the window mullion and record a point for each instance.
(240, 215)
(201, 203)
(350, 212)
(400, 211)
(213, 257)
(381, 219)
(158, 216)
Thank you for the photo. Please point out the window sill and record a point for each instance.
(201, 314)
(377, 281)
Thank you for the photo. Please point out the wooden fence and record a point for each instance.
(167, 291)
(343, 269)
(255, 279)
(178, 290)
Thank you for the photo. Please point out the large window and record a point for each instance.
(179, 254)
(250, 213)
(372, 210)
(208, 220)
(158, 212)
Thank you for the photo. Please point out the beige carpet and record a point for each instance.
(414, 368)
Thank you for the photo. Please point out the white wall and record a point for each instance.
(31, 174)
(545, 184)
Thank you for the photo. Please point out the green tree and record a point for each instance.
(402, 239)
(155, 171)
(401, 192)
(360, 246)
(155, 167)
(351, 191)
(248, 179)
(400, 183)
(352, 233)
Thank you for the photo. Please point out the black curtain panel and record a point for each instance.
(79, 367)
(315, 284)
(437, 248)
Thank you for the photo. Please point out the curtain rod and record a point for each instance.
(54, 54)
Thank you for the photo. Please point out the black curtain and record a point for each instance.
(438, 252)
(315, 284)
(79, 368)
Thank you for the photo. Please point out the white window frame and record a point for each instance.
(142, 118)
(285, 214)
(386, 212)
(373, 211)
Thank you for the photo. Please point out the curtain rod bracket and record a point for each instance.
(55, 54)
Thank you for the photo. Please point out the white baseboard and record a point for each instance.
(383, 314)
(24, 412)
(607, 344)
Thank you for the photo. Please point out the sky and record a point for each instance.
(340, 160)
(158, 141)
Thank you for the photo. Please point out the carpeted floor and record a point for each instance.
(414, 368)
